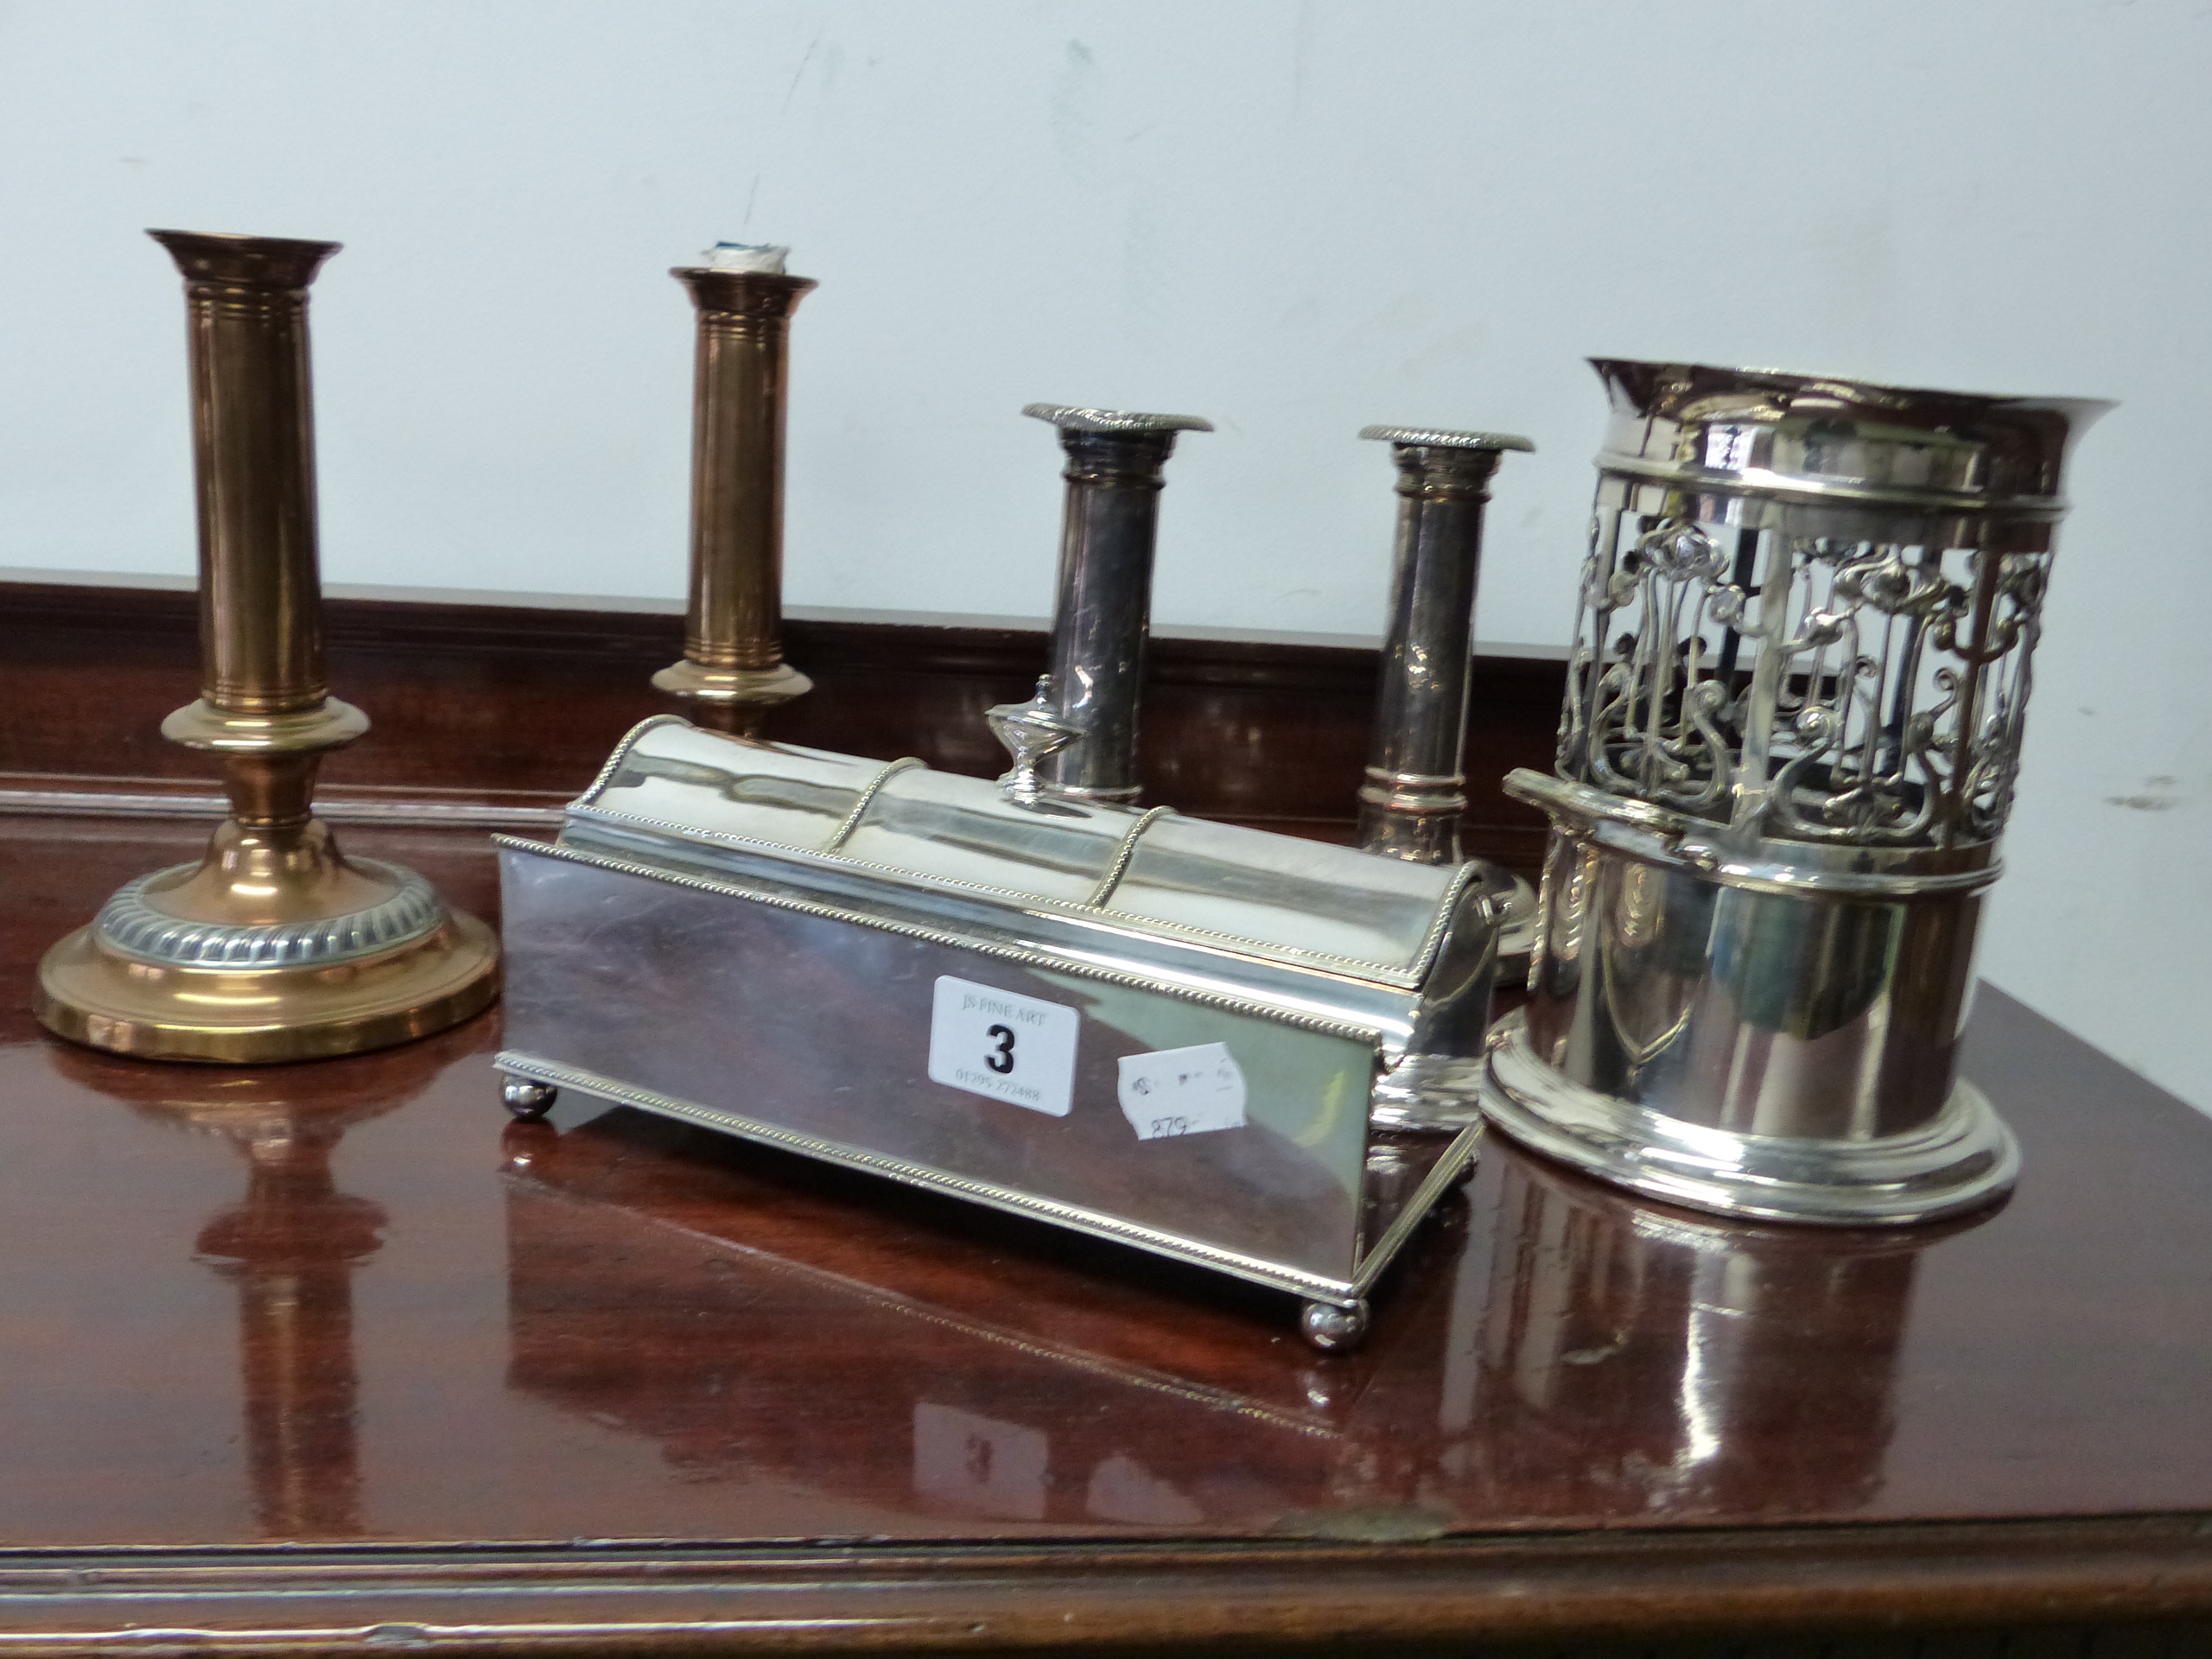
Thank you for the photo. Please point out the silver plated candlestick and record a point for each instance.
(1416, 790)
(1790, 739)
(1102, 607)
(1415, 793)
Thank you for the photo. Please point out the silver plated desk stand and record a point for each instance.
(1792, 729)
(1144, 1028)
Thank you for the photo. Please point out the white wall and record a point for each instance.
(1293, 217)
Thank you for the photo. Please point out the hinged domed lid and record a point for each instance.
(1255, 893)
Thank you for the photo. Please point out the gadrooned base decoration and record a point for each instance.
(143, 982)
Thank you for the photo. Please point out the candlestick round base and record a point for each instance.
(753, 685)
(231, 1017)
(274, 948)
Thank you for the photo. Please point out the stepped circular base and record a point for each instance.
(93, 994)
(1965, 1157)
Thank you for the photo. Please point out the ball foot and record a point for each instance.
(528, 1101)
(1331, 1328)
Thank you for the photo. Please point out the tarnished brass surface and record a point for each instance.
(253, 455)
(274, 947)
(733, 644)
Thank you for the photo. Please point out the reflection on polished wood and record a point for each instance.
(291, 1247)
(797, 1406)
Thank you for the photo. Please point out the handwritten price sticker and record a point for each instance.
(1182, 1091)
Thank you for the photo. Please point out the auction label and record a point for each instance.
(1004, 1045)
(1182, 1091)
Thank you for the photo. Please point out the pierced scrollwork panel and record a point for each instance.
(1647, 713)
(1808, 688)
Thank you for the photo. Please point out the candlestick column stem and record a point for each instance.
(1101, 609)
(1416, 790)
(732, 663)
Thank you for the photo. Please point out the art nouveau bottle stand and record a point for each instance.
(1792, 730)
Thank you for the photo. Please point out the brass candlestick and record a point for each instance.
(732, 665)
(274, 947)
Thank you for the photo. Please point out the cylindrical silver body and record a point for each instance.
(1792, 729)
(1101, 609)
(1416, 790)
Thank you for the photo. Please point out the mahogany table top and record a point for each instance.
(347, 1304)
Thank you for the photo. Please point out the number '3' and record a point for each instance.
(1001, 1061)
